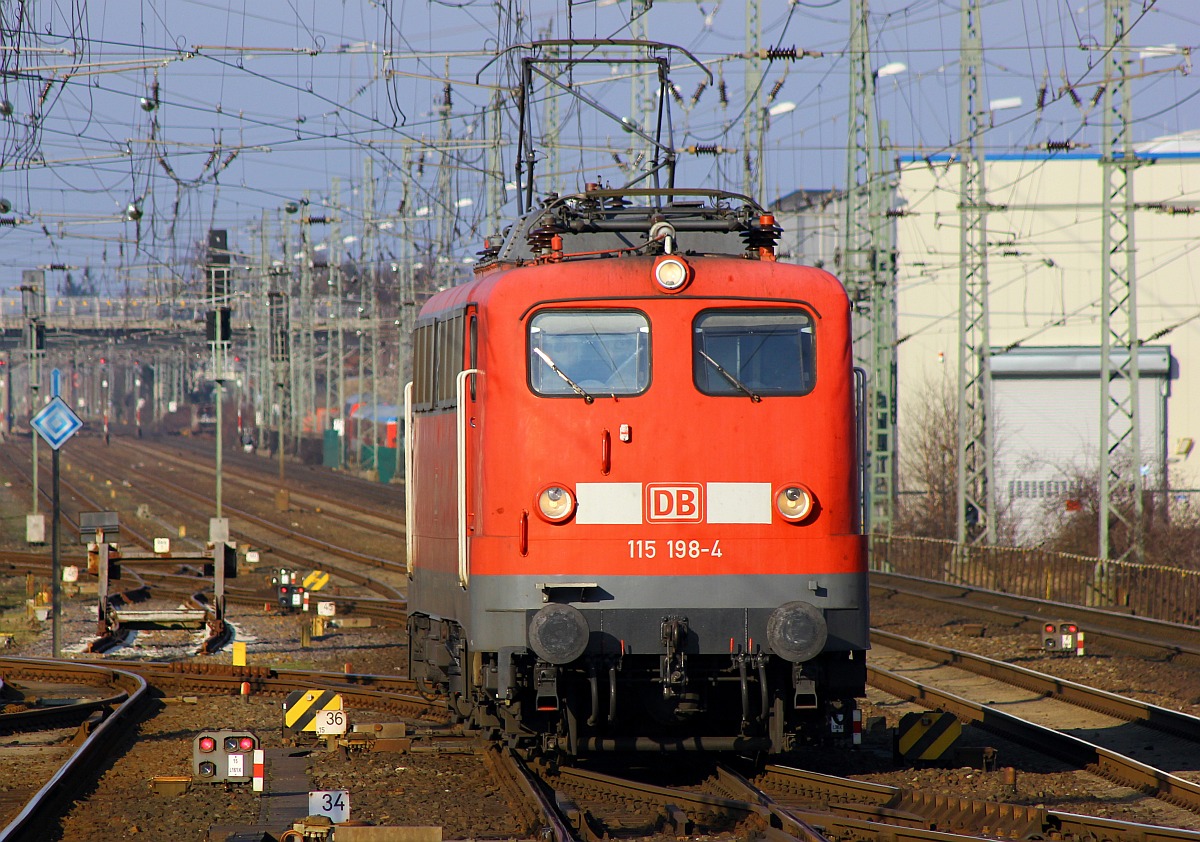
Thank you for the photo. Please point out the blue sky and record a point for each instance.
(205, 114)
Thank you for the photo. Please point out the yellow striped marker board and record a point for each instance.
(301, 706)
(316, 580)
(926, 736)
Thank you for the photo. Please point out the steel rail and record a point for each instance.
(1122, 631)
(64, 785)
(1161, 719)
(872, 802)
(1113, 765)
(540, 817)
(776, 822)
(352, 576)
(315, 543)
(250, 478)
(32, 719)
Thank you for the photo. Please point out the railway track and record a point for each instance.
(174, 492)
(535, 814)
(328, 496)
(1129, 742)
(783, 803)
(1123, 632)
(102, 724)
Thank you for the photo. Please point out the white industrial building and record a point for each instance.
(1045, 282)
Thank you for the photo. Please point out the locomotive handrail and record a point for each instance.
(409, 483)
(464, 556)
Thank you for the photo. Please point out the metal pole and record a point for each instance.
(220, 396)
(55, 569)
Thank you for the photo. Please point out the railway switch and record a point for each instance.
(1062, 636)
(223, 756)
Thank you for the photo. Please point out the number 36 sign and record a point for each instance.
(334, 803)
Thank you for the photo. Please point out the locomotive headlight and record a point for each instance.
(555, 503)
(796, 631)
(672, 273)
(795, 502)
(558, 633)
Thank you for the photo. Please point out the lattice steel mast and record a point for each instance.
(1120, 427)
(868, 270)
(976, 503)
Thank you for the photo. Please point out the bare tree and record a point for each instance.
(929, 465)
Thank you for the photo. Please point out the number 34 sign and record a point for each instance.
(334, 803)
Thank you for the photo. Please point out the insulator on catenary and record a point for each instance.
(1074, 96)
(706, 149)
(1041, 97)
(779, 53)
(1060, 145)
(699, 90)
(675, 93)
(722, 92)
(775, 89)
(1096, 96)
(447, 97)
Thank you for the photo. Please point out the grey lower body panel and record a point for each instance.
(626, 613)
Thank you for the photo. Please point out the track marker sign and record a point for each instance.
(334, 803)
(56, 422)
(330, 722)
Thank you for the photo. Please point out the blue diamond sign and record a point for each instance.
(56, 422)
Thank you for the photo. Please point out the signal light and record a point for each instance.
(1062, 636)
(224, 756)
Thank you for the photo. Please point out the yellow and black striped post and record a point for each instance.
(926, 736)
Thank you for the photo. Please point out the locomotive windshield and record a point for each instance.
(602, 352)
(755, 353)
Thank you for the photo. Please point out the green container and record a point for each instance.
(331, 453)
(387, 461)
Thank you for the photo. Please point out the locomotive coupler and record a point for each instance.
(673, 664)
(545, 678)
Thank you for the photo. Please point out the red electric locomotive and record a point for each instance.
(633, 508)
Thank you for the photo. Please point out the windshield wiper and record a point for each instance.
(575, 386)
(736, 383)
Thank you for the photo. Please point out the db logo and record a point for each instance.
(674, 503)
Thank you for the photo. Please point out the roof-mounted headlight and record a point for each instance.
(671, 273)
(555, 503)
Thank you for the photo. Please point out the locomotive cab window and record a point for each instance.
(589, 352)
(754, 353)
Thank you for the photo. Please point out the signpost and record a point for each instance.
(55, 423)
